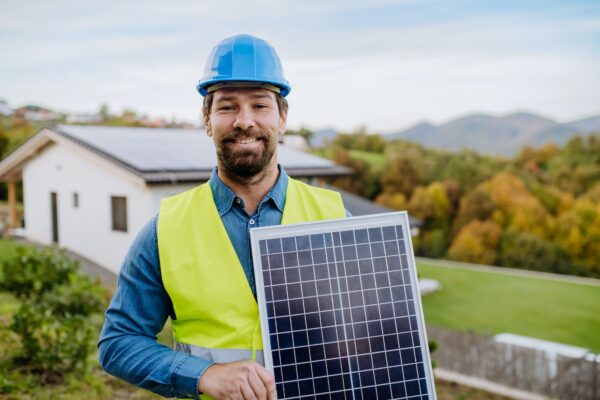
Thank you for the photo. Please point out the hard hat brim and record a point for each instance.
(210, 86)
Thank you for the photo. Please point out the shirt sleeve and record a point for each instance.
(137, 313)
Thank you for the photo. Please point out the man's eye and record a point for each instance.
(225, 108)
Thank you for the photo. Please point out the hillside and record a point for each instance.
(499, 135)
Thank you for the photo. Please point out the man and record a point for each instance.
(193, 262)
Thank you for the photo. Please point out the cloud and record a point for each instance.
(385, 63)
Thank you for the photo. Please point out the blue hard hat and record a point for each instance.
(243, 58)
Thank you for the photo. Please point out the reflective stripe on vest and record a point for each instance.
(221, 355)
(212, 299)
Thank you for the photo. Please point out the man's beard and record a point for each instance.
(246, 163)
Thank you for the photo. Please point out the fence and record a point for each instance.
(517, 367)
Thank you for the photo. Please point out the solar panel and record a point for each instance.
(340, 309)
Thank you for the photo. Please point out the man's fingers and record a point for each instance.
(268, 381)
(247, 392)
(257, 385)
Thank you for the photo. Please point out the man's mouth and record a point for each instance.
(243, 140)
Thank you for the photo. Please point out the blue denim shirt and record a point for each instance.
(141, 305)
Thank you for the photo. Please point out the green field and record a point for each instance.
(490, 303)
(374, 159)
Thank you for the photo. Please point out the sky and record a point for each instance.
(382, 64)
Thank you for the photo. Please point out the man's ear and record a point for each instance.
(282, 123)
(207, 125)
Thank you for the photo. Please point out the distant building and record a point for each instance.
(5, 108)
(37, 114)
(90, 189)
(84, 118)
(295, 142)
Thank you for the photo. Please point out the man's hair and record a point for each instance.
(282, 104)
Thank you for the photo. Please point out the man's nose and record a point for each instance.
(244, 119)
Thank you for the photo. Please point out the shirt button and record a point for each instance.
(251, 222)
(238, 200)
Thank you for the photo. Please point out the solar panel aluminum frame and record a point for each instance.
(352, 223)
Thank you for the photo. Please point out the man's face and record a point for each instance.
(244, 124)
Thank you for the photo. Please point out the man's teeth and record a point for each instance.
(245, 141)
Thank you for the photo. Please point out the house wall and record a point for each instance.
(158, 192)
(87, 229)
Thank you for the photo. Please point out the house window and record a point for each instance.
(75, 200)
(119, 213)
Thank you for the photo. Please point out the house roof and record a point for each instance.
(158, 155)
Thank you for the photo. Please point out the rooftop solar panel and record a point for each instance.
(340, 312)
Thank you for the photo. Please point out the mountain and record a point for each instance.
(500, 135)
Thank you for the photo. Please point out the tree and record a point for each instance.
(3, 143)
(516, 208)
(431, 204)
(395, 201)
(359, 181)
(477, 242)
(401, 177)
(306, 133)
(578, 235)
(524, 250)
(478, 204)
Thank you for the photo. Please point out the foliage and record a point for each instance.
(395, 201)
(359, 140)
(400, 177)
(355, 183)
(477, 242)
(56, 321)
(34, 272)
(524, 250)
(548, 192)
(21, 382)
(578, 235)
(306, 133)
(478, 204)
(515, 207)
(433, 244)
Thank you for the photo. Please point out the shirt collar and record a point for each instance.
(224, 196)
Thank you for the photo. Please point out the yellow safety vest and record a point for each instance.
(216, 313)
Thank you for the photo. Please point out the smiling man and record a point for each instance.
(193, 261)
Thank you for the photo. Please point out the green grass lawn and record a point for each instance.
(376, 160)
(491, 303)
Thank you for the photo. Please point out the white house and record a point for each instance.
(91, 188)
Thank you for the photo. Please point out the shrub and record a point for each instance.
(56, 320)
(524, 250)
(36, 271)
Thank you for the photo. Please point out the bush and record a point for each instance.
(524, 250)
(56, 320)
(34, 272)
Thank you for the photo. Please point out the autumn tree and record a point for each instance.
(361, 182)
(395, 201)
(516, 208)
(477, 242)
(578, 234)
(478, 204)
(524, 250)
(400, 177)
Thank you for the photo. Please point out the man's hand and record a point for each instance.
(242, 380)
